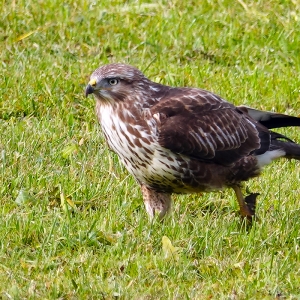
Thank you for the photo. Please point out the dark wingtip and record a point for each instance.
(271, 119)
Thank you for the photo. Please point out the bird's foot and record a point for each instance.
(250, 201)
(247, 204)
(248, 210)
(156, 203)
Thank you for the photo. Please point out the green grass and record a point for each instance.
(73, 225)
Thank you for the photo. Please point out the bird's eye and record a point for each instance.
(113, 81)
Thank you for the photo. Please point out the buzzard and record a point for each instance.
(185, 140)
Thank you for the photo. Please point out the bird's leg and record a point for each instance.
(156, 202)
(247, 204)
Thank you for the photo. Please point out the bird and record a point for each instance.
(182, 140)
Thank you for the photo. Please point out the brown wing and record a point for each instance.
(198, 123)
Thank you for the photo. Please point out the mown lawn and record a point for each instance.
(73, 225)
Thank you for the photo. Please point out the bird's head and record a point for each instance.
(114, 82)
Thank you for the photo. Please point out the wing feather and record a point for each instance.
(200, 124)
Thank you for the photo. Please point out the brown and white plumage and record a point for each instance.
(184, 140)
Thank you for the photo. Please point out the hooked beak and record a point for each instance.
(90, 87)
(89, 90)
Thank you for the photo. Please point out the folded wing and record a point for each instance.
(200, 124)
